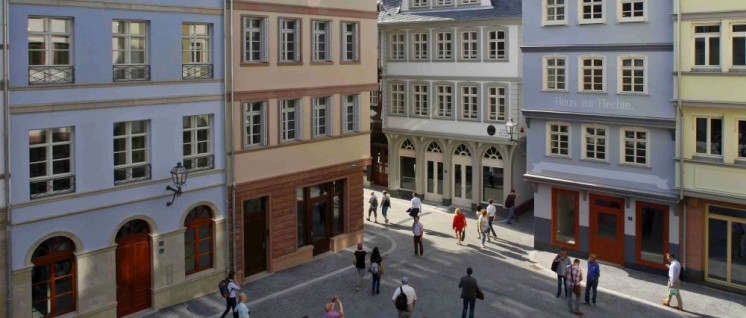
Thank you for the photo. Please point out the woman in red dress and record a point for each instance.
(459, 225)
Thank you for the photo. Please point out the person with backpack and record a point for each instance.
(404, 299)
(228, 290)
(376, 269)
(385, 205)
(558, 266)
(373, 207)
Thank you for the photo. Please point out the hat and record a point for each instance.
(405, 280)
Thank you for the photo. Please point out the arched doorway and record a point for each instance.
(462, 176)
(407, 166)
(53, 279)
(133, 268)
(492, 176)
(434, 172)
(198, 240)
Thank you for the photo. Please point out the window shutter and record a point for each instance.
(314, 45)
(330, 116)
(344, 43)
(264, 124)
(263, 45)
(297, 41)
(299, 120)
(356, 46)
(329, 43)
(356, 113)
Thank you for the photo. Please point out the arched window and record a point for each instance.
(492, 153)
(53, 286)
(434, 147)
(407, 145)
(462, 150)
(134, 227)
(198, 240)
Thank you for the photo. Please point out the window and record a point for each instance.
(443, 46)
(198, 240)
(397, 99)
(351, 113)
(632, 73)
(469, 45)
(635, 146)
(469, 100)
(420, 98)
(558, 143)
(591, 11)
(631, 10)
(710, 136)
(374, 98)
(742, 138)
(350, 42)
(496, 45)
(131, 152)
(290, 120)
(255, 40)
(197, 136)
(443, 2)
(592, 79)
(129, 48)
(322, 114)
(565, 205)
(50, 50)
(317, 206)
(496, 101)
(322, 41)
(255, 124)
(469, 1)
(594, 142)
(420, 3)
(739, 45)
(555, 70)
(290, 41)
(51, 161)
(554, 12)
(707, 45)
(420, 46)
(444, 100)
(195, 51)
(396, 51)
(53, 278)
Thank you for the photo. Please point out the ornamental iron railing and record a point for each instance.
(123, 73)
(198, 163)
(131, 174)
(42, 74)
(52, 186)
(196, 71)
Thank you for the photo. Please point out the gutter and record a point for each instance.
(680, 126)
(232, 155)
(6, 157)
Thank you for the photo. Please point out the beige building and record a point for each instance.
(300, 136)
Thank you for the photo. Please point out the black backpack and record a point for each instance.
(223, 288)
(401, 300)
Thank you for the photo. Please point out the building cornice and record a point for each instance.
(714, 15)
(599, 118)
(245, 96)
(116, 5)
(452, 78)
(441, 135)
(387, 26)
(627, 47)
(713, 104)
(715, 196)
(102, 104)
(258, 6)
(301, 142)
(112, 84)
(603, 188)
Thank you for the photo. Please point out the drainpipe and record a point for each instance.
(230, 135)
(680, 125)
(6, 156)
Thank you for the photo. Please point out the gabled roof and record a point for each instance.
(501, 9)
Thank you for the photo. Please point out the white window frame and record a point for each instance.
(443, 46)
(249, 114)
(420, 46)
(582, 4)
(286, 109)
(127, 43)
(419, 4)
(468, 2)
(469, 101)
(581, 74)
(622, 19)
(497, 100)
(740, 152)
(620, 74)
(444, 95)
(443, 3)
(373, 98)
(473, 46)
(48, 35)
(549, 149)
(708, 145)
(546, 70)
(737, 34)
(326, 104)
(397, 47)
(50, 176)
(193, 130)
(545, 17)
(129, 165)
(350, 36)
(253, 34)
(398, 99)
(350, 113)
(319, 54)
(596, 137)
(207, 52)
(421, 99)
(488, 47)
(707, 36)
(284, 40)
(623, 146)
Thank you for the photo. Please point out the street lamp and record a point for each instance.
(510, 127)
(179, 176)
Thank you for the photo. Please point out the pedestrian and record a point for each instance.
(329, 308)
(510, 205)
(415, 205)
(418, 230)
(479, 213)
(373, 207)
(594, 272)
(241, 308)
(469, 290)
(230, 302)
(385, 205)
(376, 270)
(674, 281)
(484, 227)
(558, 265)
(358, 259)
(574, 276)
(459, 225)
(405, 311)
(491, 212)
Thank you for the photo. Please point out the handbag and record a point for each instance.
(480, 295)
(576, 285)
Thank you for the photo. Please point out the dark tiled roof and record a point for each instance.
(501, 9)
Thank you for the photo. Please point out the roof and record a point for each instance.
(501, 9)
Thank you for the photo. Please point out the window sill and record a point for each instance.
(317, 63)
(475, 120)
(253, 64)
(443, 117)
(706, 69)
(546, 90)
(418, 60)
(289, 63)
(591, 22)
(349, 62)
(595, 160)
(470, 61)
(740, 161)
(635, 165)
(709, 158)
(443, 60)
(498, 121)
(603, 92)
(632, 20)
(737, 69)
(633, 93)
(553, 24)
(396, 115)
(558, 156)
(497, 60)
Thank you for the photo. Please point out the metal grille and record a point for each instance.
(199, 163)
(50, 74)
(131, 174)
(193, 71)
(50, 187)
(131, 73)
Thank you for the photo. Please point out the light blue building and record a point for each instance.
(601, 128)
(106, 98)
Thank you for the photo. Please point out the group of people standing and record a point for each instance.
(485, 219)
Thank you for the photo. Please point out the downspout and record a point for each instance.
(226, 226)
(6, 157)
(680, 125)
(230, 135)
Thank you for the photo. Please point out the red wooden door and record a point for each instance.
(607, 228)
(133, 274)
(380, 165)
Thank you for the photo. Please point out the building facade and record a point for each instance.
(451, 69)
(300, 129)
(601, 128)
(106, 99)
(712, 62)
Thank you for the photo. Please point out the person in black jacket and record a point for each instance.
(469, 290)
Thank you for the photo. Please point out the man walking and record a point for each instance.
(411, 298)
(558, 265)
(469, 290)
(510, 205)
(373, 208)
(491, 211)
(574, 275)
(385, 205)
(418, 229)
(358, 259)
(674, 281)
(594, 272)
(415, 206)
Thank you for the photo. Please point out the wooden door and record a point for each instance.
(133, 274)
(380, 165)
(255, 236)
(607, 228)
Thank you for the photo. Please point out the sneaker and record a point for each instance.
(679, 308)
(508, 222)
(559, 295)
(368, 219)
(664, 303)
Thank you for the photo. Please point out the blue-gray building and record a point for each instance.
(106, 97)
(601, 128)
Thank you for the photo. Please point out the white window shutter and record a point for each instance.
(329, 43)
(356, 113)
(356, 46)
(314, 45)
(330, 116)
(299, 120)
(264, 124)
(263, 44)
(297, 40)
(344, 43)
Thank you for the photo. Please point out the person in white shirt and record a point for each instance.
(415, 206)
(411, 297)
(233, 289)
(674, 281)
(491, 212)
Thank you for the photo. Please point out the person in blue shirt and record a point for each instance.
(594, 272)
(241, 308)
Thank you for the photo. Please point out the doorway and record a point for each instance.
(607, 228)
(462, 176)
(255, 236)
(380, 166)
(133, 268)
(434, 172)
(320, 214)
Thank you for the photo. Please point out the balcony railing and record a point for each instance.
(123, 73)
(199, 163)
(196, 71)
(53, 186)
(131, 174)
(42, 74)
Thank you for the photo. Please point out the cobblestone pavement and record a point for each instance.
(512, 275)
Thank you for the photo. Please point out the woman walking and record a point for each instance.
(385, 205)
(376, 268)
(459, 225)
(484, 227)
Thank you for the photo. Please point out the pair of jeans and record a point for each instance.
(492, 230)
(418, 243)
(230, 304)
(468, 303)
(560, 280)
(376, 284)
(511, 214)
(484, 236)
(384, 212)
(573, 299)
(361, 273)
(591, 285)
